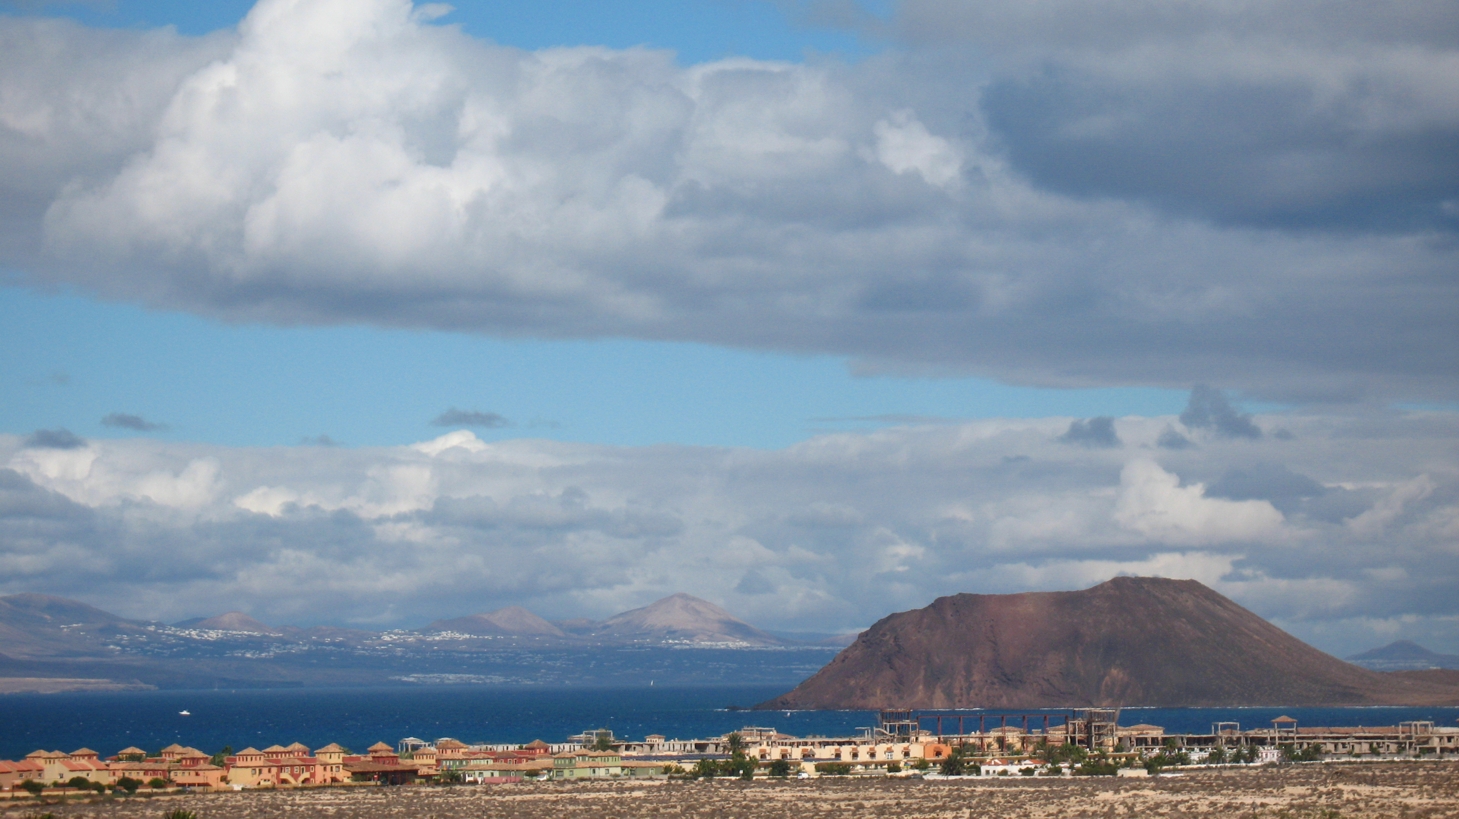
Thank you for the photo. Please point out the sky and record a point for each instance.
(368, 313)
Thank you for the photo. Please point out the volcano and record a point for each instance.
(1130, 641)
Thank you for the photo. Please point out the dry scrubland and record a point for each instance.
(1351, 791)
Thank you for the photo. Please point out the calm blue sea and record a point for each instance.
(357, 718)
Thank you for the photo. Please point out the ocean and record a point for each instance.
(360, 717)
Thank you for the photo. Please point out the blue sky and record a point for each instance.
(697, 30)
(79, 360)
(1081, 290)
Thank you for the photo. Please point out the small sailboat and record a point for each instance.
(184, 713)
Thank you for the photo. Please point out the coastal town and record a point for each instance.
(904, 743)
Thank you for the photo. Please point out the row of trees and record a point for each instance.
(963, 762)
(81, 783)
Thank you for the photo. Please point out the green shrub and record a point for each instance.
(1167, 758)
(833, 768)
(1096, 767)
(894, 767)
(1068, 752)
(958, 763)
(779, 768)
(705, 769)
(180, 814)
(1309, 754)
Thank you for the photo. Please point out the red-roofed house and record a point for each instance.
(14, 773)
(282, 767)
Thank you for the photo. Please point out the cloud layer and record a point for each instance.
(1263, 198)
(1344, 532)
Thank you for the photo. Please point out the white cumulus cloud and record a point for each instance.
(1153, 503)
(830, 533)
(351, 160)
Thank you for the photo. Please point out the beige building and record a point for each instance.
(278, 766)
(853, 751)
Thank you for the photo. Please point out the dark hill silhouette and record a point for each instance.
(1130, 641)
(683, 618)
(44, 611)
(513, 621)
(231, 621)
(39, 625)
(1403, 655)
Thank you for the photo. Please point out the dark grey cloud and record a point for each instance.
(1171, 439)
(1092, 432)
(1265, 482)
(21, 499)
(1004, 26)
(470, 418)
(1224, 150)
(1285, 489)
(59, 438)
(44, 534)
(754, 583)
(123, 420)
(1291, 113)
(1209, 409)
(539, 519)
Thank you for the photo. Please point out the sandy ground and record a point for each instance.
(1350, 791)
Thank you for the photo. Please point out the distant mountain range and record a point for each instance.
(51, 643)
(1129, 641)
(1404, 655)
(510, 621)
(677, 619)
(231, 621)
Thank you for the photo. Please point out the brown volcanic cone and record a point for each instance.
(1129, 641)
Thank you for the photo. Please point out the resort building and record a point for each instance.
(383, 766)
(490, 771)
(1004, 746)
(602, 765)
(12, 774)
(279, 766)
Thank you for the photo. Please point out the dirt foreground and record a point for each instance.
(1412, 790)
